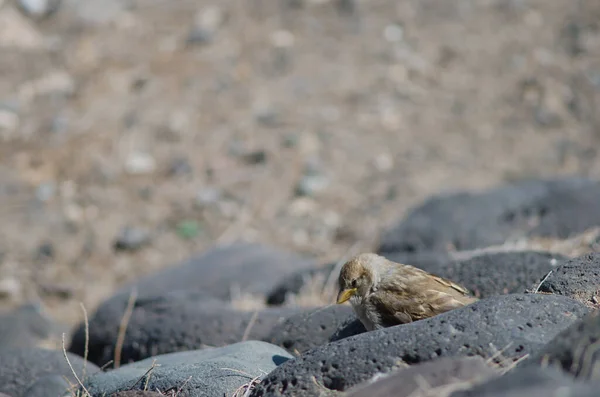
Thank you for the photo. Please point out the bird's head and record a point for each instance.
(358, 277)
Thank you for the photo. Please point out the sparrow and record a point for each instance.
(385, 293)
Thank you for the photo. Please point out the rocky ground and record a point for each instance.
(222, 157)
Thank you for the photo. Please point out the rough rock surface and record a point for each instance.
(469, 220)
(531, 382)
(51, 385)
(575, 349)
(309, 329)
(199, 373)
(172, 322)
(249, 268)
(516, 324)
(350, 327)
(25, 326)
(436, 373)
(498, 273)
(21, 368)
(578, 278)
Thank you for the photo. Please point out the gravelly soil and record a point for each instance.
(116, 118)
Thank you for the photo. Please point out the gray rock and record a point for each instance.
(514, 324)
(495, 273)
(39, 8)
(442, 372)
(531, 382)
(352, 326)
(21, 368)
(578, 278)
(131, 239)
(24, 327)
(51, 385)
(311, 328)
(210, 372)
(172, 322)
(468, 220)
(574, 350)
(251, 268)
(137, 393)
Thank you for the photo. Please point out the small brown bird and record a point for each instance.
(384, 293)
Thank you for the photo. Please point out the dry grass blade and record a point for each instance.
(87, 393)
(250, 325)
(542, 282)
(87, 340)
(147, 373)
(123, 327)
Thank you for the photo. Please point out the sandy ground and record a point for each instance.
(197, 122)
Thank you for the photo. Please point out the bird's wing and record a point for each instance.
(394, 309)
(450, 284)
(399, 308)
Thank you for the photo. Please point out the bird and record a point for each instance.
(385, 293)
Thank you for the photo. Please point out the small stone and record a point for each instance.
(131, 239)
(256, 157)
(139, 163)
(10, 288)
(199, 35)
(206, 24)
(180, 166)
(383, 162)
(266, 115)
(9, 120)
(289, 141)
(207, 196)
(282, 39)
(39, 8)
(45, 191)
(311, 185)
(393, 33)
(45, 251)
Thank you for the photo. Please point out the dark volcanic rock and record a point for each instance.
(469, 220)
(172, 322)
(293, 283)
(21, 368)
(198, 373)
(498, 273)
(531, 382)
(24, 327)
(137, 393)
(349, 328)
(309, 329)
(436, 373)
(251, 268)
(51, 385)
(515, 324)
(578, 278)
(575, 349)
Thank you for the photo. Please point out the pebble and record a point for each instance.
(180, 166)
(10, 288)
(45, 191)
(131, 239)
(393, 33)
(9, 120)
(39, 8)
(207, 196)
(311, 185)
(139, 163)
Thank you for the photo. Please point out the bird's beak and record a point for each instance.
(346, 294)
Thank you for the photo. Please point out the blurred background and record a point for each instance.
(136, 133)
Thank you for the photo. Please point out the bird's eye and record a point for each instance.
(353, 283)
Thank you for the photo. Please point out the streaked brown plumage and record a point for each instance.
(384, 293)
